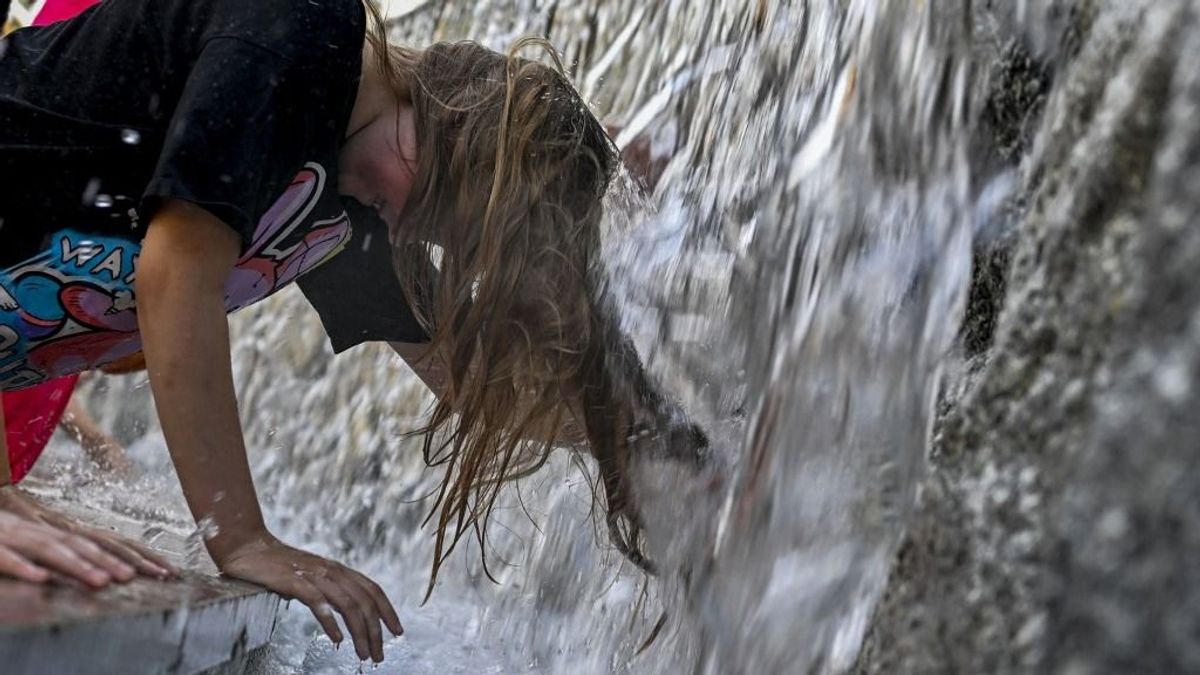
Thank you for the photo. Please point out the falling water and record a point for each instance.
(795, 280)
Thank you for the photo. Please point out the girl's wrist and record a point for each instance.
(225, 546)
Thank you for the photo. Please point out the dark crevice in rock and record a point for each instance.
(1018, 90)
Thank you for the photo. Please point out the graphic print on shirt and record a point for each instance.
(72, 307)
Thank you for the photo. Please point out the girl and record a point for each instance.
(163, 162)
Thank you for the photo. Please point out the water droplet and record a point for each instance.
(131, 136)
(90, 192)
(153, 533)
(194, 546)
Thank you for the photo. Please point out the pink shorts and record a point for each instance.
(57, 10)
(30, 417)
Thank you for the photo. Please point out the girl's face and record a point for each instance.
(378, 163)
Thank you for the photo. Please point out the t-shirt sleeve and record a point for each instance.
(357, 294)
(237, 135)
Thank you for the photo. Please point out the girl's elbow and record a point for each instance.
(186, 245)
(162, 282)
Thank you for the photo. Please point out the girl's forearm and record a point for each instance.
(185, 259)
(99, 447)
(77, 423)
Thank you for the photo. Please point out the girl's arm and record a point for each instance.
(99, 447)
(186, 258)
(185, 261)
(39, 545)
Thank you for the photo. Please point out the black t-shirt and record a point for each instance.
(239, 106)
(357, 293)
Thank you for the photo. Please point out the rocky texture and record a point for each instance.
(1059, 527)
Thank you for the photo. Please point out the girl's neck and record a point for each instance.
(375, 96)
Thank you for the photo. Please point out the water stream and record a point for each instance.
(795, 280)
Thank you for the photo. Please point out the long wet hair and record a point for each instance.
(512, 168)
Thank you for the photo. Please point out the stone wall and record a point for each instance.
(1058, 529)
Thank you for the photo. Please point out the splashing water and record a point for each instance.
(796, 281)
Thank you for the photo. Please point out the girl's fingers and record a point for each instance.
(41, 536)
(325, 587)
(59, 557)
(143, 560)
(366, 604)
(353, 614)
(92, 552)
(315, 600)
(323, 611)
(60, 579)
(16, 565)
(382, 604)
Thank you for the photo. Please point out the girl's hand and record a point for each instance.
(37, 544)
(323, 585)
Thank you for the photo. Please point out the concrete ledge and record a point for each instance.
(198, 623)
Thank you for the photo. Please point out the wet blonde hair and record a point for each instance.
(512, 169)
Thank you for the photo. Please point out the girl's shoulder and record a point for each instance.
(308, 24)
(298, 30)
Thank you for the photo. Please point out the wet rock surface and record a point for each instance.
(1058, 528)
